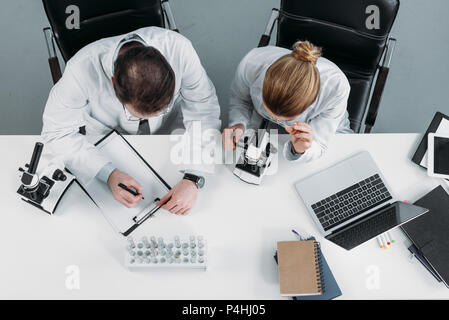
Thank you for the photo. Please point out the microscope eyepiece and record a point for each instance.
(35, 157)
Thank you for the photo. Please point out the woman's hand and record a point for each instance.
(232, 135)
(301, 136)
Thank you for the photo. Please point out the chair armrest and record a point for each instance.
(53, 61)
(379, 87)
(265, 38)
(169, 15)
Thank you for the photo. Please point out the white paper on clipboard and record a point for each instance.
(127, 160)
(443, 128)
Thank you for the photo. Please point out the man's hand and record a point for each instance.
(232, 135)
(301, 136)
(120, 194)
(181, 198)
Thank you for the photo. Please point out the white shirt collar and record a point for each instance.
(132, 37)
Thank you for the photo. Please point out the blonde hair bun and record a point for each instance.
(305, 51)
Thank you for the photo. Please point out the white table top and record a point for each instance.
(241, 223)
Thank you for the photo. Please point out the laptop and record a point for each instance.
(351, 203)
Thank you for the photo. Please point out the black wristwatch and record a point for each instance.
(199, 181)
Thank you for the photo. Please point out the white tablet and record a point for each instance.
(438, 155)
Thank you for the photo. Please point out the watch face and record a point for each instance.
(198, 180)
(201, 182)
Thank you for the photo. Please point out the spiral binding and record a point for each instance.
(319, 265)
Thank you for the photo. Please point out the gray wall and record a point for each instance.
(222, 32)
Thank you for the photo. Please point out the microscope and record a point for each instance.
(256, 156)
(43, 189)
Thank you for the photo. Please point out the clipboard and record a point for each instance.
(126, 159)
(439, 124)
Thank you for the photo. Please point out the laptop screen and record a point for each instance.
(376, 223)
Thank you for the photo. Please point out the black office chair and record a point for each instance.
(339, 28)
(98, 19)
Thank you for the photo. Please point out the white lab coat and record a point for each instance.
(326, 115)
(84, 96)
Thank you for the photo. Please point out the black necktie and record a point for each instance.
(144, 127)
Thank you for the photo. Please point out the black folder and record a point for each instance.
(430, 232)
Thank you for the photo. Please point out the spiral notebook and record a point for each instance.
(329, 285)
(299, 268)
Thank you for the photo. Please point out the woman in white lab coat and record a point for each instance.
(298, 89)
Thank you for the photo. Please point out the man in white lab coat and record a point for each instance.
(138, 83)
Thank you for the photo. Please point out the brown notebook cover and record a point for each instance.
(299, 268)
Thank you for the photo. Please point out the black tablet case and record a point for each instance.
(422, 148)
(430, 232)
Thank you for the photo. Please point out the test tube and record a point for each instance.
(170, 245)
(178, 260)
(185, 260)
(193, 253)
(140, 245)
(162, 252)
(192, 245)
(201, 260)
(147, 253)
(201, 252)
(162, 260)
(185, 252)
(131, 242)
(132, 260)
(154, 260)
(170, 260)
(132, 252)
(153, 241)
(145, 242)
(193, 259)
(192, 238)
(139, 253)
(160, 242)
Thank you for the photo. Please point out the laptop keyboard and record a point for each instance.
(351, 201)
(365, 230)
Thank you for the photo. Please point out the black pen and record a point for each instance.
(134, 193)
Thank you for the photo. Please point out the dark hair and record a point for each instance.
(144, 79)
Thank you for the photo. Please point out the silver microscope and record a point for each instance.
(256, 156)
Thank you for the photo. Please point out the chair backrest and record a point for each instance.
(100, 19)
(339, 27)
